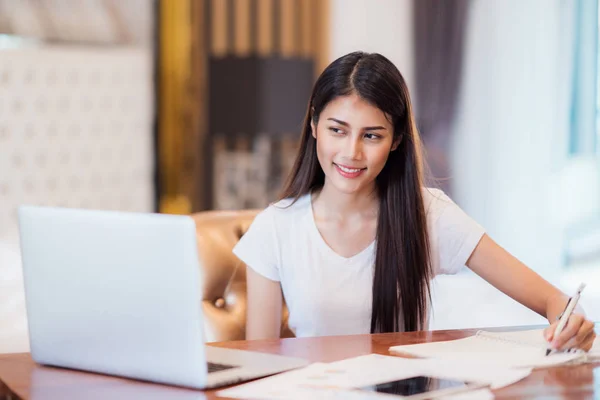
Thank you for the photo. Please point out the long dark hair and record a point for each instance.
(402, 260)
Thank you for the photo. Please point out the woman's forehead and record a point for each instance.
(354, 110)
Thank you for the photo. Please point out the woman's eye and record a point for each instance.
(336, 130)
(372, 136)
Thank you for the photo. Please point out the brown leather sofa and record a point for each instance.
(224, 275)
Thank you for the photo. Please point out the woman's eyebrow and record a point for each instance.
(369, 128)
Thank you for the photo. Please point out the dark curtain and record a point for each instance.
(439, 35)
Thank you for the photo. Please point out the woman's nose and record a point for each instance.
(353, 149)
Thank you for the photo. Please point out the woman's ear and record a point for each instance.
(396, 143)
(313, 128)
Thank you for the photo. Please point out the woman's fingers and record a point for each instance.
(570, 331)
(578, 333)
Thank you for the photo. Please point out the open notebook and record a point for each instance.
(513, 349)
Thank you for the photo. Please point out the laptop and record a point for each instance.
(119, 293)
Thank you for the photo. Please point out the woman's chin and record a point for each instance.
(350, 188)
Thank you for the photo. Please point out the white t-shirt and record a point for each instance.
(328, 294)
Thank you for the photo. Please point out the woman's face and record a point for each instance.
(354, 139)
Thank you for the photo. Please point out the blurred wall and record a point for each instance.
(512, 127)
(384, 27)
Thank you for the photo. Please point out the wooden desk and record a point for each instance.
(32, 381)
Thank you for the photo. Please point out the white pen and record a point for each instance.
(564, 317)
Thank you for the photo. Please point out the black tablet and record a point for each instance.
(423, 387)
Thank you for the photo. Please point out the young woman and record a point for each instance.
(356, 238)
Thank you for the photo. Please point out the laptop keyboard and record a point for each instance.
(214, 367)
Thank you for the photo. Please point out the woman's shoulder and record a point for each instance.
(286, 209)
(434, 198)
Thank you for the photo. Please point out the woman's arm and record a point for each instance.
(512, 277)
(263, 318)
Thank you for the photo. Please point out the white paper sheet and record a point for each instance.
(482, 394)
(536, 338)
(510, 349)
(346, 394)
(330, 381)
